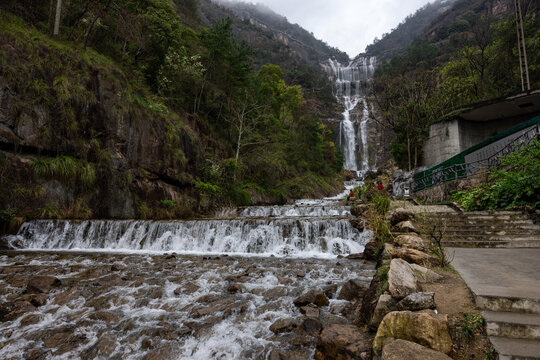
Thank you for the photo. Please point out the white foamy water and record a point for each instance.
(109, 305)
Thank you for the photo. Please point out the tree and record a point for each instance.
(57, 17)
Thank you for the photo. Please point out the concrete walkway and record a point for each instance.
(506, 285)
(507, 273)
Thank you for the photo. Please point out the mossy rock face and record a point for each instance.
(421, 328)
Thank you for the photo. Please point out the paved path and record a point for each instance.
(499, 272)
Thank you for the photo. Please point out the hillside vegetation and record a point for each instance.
(131, 112)
(468, 54)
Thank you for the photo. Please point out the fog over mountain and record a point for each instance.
(349, 25)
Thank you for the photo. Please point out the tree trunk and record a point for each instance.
(88, 30)
(409, 151)
(57, 18)
(49, 20)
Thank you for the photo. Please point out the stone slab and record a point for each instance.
(513, 349)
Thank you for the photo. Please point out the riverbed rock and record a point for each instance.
(312, 326)
(312, 297)
(425, 275)
(343, 342)
(398, 349)
(411, 241)
(388, 251)
(283, 326)
(401, 279)
(42, 284)
(406, 226)
(353, 289)
(12, 310)
(235, 288)
(310, 310)
(416, 257)
(398, 215)
(419, 327)
(418, 301)
(386, 304)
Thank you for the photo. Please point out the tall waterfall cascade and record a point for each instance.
(350, 88)
(314, 228)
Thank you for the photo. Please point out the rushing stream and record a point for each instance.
(205, 289)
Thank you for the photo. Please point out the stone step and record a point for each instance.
(483, 217)
(471, 222)
(486, 237)
(491, 232)
(491, 244)
(508, 304)
(516, 349)
(512, 325)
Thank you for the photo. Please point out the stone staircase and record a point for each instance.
(488, 229)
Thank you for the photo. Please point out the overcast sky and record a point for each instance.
(349, 25)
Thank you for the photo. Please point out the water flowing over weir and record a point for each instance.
(124, 296)
(350, 89)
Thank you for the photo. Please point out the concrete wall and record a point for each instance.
(443, 142)
(474, 132)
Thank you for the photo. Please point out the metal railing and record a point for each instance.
(464, 170)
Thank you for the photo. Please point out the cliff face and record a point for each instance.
(138, 152)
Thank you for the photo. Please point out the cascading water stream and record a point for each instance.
(350, 84)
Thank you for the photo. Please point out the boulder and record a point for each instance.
(416, 257)
(312, 297)
(42, 284)
(422, 328)
(359, 209)
(353, 289)
(370, 250)
(312, 326)
(406, 226)
(343, 342)
(330, 291)
(357, 256)
(283, 325)
(401, 279)
(398, 349)
(358, 224)
(234, 288)
(12, 310)
(310, 311)
(398, 215)
(388, 251)
(411, 241)
(425, 275)
(386, 304)
(418, 301)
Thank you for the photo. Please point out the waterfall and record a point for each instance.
(350, 83)
(318, 228)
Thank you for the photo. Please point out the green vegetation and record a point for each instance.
(515, 183)
(467, 55)
(132, 93)
(470, 325)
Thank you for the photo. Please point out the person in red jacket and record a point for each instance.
(351, 195)
(381, 187)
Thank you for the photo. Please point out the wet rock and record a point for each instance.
(371, 250)
(109, 280)
(283, 326)
(164, 352)
(312, 326)
(156, 293)
(406, 226)
(401, 279)
(416, 257)
(300, 273)
(38, 299)
(36, 354)
(66, 296)
(214, 307)
(188, 289)
(31, 319)
(235, 288)
(398, 215)
(343, 342)
(418, 301)
(64, 340)
(330, 291)
(425, 275)
(411, 241)
(277, 355)
(353, 289)
(397, 349)
(386, 304)
(106, 316)
(42, 284)
(12, 310)
(421, 328)
(358, 224)
(312, 297)
(310, 310)
(117, 267)
(106, 345)
(275, 293)
(357, 256)
(359, 209)
(146, 344)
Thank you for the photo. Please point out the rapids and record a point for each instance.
(200, 289)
